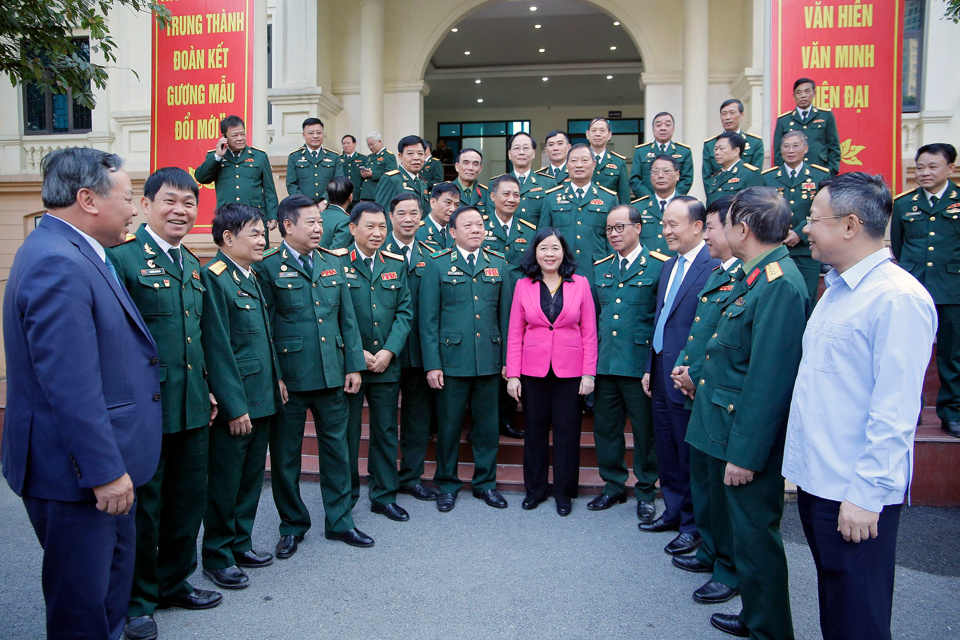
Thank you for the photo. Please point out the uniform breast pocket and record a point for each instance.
(642, 291)
(951, 224)
(562, 218)
(391, 293)
(730, 326)
(332, 290)
(914, 227)
(454, 288)
(155, 296)
(491, 289)
(247, 318)
(605, 291)
(289, 292)
(596, 216)
(197, 289)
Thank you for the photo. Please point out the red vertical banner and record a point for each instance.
(202, 72)
(853, 50)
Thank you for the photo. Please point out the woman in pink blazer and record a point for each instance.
(551, 359)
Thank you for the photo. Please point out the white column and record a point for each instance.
(696, 66)
(371, 65)
(258, 132)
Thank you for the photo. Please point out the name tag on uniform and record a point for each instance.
(289, 274)
(350, 276)
(244, 294)
(152, 272)
(328, 272)
(392, 275)
(537, 189)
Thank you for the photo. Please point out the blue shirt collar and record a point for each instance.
(855, 274)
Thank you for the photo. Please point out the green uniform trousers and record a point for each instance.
(482, 392)
(233, 493)
(948, 362)
(330, 413)
(169, 512)
(417, 405)
(616, 398)
(710, 514)
(382, 399)
(810, 270)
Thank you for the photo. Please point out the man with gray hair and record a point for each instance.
(377, 163)
(849, 444)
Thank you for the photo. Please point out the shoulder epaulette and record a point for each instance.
(388, 151)
(439, 254)
(545, 172)
(645, 144)
(773, 271)
(427, 246)
(614, 153)
(255, 148)
(823, 109)
(753, 135)
(217, 267)
(270, 252)
(495, 177)
(392, 172)
(659, 256)
(766, 171)
(214, 150)
(680, 144)
(713, 138)
(130, 238)
(610, 191)
(391, 255)
(750, 166)
(423, 222)
(602, 260)
(486, 217)
(496, 253)
(342, 251)
(483, 186)
(640, 199)
(528, 223)
(298, 150)
(786, 113)
(559, 186)
(816, 166)
(904, 193)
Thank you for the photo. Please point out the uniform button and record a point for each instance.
(475, 298)
(618, 300)
(478, 334)
(189, 340)
(579, 222)
(156, 285)
(685, 358)
(247, 306)
(284, 349)
(714, 335)
(703, 299)
(702, 381)
(690, 338)
(375, 342)
(729, 407)
(189, 367)
(614, 333)
(615, 316)
(238, 186)
(238, 198)
(478, 316)
(316, 303)
(933, 233)
(929, 248)
(323, 338)
(314, 285)
(186, 313)
(374, 306)
(620, 286)
(578, 250)
(707, 357)
(659, 236)
(551, 327)
(474, 279)
(578, 237)
(697, 319)
(154, 361)
(320, 320)
(932, 218)
(156, 397)
(791, 202)
(289, 286)
(929, 264)
(371, 289)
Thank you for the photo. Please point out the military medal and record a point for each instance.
(328, 272)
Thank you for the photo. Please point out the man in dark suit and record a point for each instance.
(83, 420)
(678, 292)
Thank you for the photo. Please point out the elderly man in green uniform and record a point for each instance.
(923, 239)
(556, 144)
(818, 124)
(170, 506)
(244, 377)
(407, 177)
(418, 402)
(521, 149)
(610, 169)
(311, 167)
(377, 283)
(432, 171)
(644, 155)
(240, 173)
(375, 165)
(469, 164)
(578, 209)
(742, 403)
(715, 555)
(625, 289)
(731, 115)
(797, 182)
(336, 221)
(664, 173)
(352, 161)
(444, 200)
(463, 324)
(318, 345)
(734, 174)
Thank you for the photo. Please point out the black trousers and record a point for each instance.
(670, 421)
(551, 401)
(854, 579)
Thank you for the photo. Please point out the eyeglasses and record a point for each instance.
(617, 227)
(661, 172)
(811, 219)
(524, 149)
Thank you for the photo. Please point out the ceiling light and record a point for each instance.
(454, 30)
(544, 78)
(537, 26)
(541, 50)
(479, 99)
(613, 48)
(466, 53)
(477, 81)
(533, 8)
(617, 23)
(609, 77)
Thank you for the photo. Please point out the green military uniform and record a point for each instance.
(336, 228)
(243, 374)
(752, 153)
(432, 172)
(532, 193)
(170, 299)
(309, 172)
(709, 500)
(558, 175)
(724, 183)
(246, 178)
(317, 342)
(627, 304)
(463, 325)
(430, 234)
(476, 196)
(400, 181)
(611, 172)
(643, 157)
(351, 168)
(740, 416)
(821, 129)
(651, 232)
(379, 163)
(923, 237)
(581, 221)
(799, 191)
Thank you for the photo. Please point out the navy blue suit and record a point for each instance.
(83, 408)
(669, 416)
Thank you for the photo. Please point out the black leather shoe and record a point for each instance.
(446, 502)
(729, 623)
(564, 508)
(199, 599)
(393, 511)
(492, 497)
(714, 592)
(530, 502)
(691, 564)
(254, 560)
(646, 510)
(683, 543)
(140, 628)
(420, 492)
(952, 428)
(353, 537)
(288, 546)
(229, 578)
(603, 501)
(658, 526)
(506, 429)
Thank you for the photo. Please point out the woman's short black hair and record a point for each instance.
(529, 264)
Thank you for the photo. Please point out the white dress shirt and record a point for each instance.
(688, 257)
(93, 243)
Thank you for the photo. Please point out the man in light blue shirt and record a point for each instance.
(855, 404)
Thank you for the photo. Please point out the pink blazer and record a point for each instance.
(569, 345)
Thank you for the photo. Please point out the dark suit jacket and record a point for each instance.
(681, 316)
(83, 381)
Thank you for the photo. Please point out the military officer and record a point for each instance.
(520, 150)
(244, 378)
(734, 175)
(641, 180)
(742, 403)
(432, 171)
(240, 173)
(170, 506)
(923, 234)
(797, 181)
(336, 221)
(351, 161)
(444, 200)
(578, 209)
(469, 164)
(610, 169)
(311, 167)
(625, 289)
(418, 402)
(731, 115)
(463, 321)
(664, 172)
(557, 144)
(407, 177)
(819, 125)
(320, 354)
(375, 165)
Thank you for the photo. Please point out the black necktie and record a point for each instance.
(307, 262)
(175, 258)
(506, 230)
(369, 263)
(597, 158)
(470, 261)
(556, 171)
(406, 253)
(579, 193)
(663, 148)
(522, 180)
(315, 154)
(623, 265)
(663, 205)
(933, 201)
